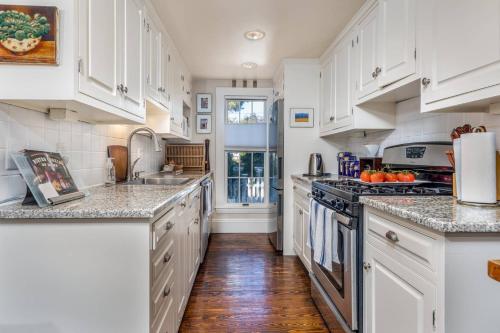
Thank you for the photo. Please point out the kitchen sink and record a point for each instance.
(159, 181)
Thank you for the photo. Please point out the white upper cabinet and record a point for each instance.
(326, 110)
(460, 53)
(396, 40)
(153, 63)
(368, 54)
(100, 60)
(133, 64)
(342, 77)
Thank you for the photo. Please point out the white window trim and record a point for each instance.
(220, 157)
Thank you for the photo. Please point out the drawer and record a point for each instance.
(181, 205)
(302, 195)
(391, 236)
(163, 257)
(163, 228)
(162, 296)
(194, 197)
(166, 320)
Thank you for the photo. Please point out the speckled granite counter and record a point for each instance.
(114, 202)
(440, 213)
(307, 180)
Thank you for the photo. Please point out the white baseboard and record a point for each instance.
(241, 226)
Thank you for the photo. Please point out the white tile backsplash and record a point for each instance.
(413, 126)
(84, 145)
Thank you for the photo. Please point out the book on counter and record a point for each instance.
(48, 178)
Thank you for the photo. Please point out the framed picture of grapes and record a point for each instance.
(29, 34)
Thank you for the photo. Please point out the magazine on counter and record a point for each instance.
(47, 176)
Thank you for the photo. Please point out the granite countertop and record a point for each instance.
(440, 213)
(113, 202)
(309, 179)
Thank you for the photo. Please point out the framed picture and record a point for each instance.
(203, 124)
(302, 117)
(204, 103)
(29, 34)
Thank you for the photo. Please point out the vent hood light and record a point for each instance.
(255, 35)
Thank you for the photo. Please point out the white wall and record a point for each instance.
(84, 145)
(302, 91)
(413, 126)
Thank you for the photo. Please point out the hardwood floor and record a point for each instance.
(244, 287)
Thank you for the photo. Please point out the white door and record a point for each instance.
(133, 61)
(396, 299)
(396, 40)
(341, 96)
(100, 58)
(306, 250)
(368, 62)
(298, 215)
(461, 47)
(326, 96)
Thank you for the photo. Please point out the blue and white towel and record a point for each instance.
(323, 234)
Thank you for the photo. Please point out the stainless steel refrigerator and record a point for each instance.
(276, 151)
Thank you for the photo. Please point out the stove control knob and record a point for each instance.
(321, 194)
(340, 205)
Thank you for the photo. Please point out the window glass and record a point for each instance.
(245, 112)
(233, 164)
(233, 190)
(245, 177)
(258, 165)
(246, 164)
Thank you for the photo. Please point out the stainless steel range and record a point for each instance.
(338, 294)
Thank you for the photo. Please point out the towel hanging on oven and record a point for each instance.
(323, 234)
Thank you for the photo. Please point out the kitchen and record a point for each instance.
(335, 168)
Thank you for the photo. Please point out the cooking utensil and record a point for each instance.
(119, 153)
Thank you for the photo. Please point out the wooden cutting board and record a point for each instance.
(120, 155)
(494, 269)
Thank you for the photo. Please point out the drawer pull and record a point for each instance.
(169, 226)
(392, 236)
(196, 221)
(167, 257)
(367, 266)
(183, 204)
(166, 292)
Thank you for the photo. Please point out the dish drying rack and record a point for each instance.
(190, 156)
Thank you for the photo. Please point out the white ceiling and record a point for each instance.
(209, 33)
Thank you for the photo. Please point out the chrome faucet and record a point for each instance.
(156, 142)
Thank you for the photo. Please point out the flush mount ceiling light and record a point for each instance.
(249, 65)
(254, 34)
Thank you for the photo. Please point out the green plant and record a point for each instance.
(14, 24)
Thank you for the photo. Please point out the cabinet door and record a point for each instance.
(191, 252)
(180, 268)
(461, 47)
(152, 61)
(396, 299)
(396, 40)
(133, 62)
(298, 215)
(368, 40)
(341, 95)
(162, 70)
(306, 250)
(99, 53)
(326, 96)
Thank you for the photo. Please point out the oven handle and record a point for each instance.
(341, 218)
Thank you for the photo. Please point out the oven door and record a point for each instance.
(340, 284)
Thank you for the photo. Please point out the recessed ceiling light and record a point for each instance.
(249, 65)
(255, 34)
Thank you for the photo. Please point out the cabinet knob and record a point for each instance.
(367, 266)
(166, 292)
(332, 118)
(120, 88)
(309, 195)
(183, 204)
(167, 257)
(426, 82)
(378, 70)
(392, 236)
(125, 90)
(196, 221)
(301, 211)
(294, 187)
(169, 225)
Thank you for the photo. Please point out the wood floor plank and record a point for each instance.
(243, 286)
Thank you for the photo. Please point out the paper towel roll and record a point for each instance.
(478, 168)
(457, 152)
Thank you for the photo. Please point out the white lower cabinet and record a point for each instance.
(175, 262)
(302, 194)
(396, 298)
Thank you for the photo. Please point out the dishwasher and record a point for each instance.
(206, 214)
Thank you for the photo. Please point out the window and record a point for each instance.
(245, 177)
(241, 111)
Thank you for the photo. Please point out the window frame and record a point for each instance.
(251, 99)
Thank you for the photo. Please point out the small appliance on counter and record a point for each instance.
(316, 167)
(370, 163)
